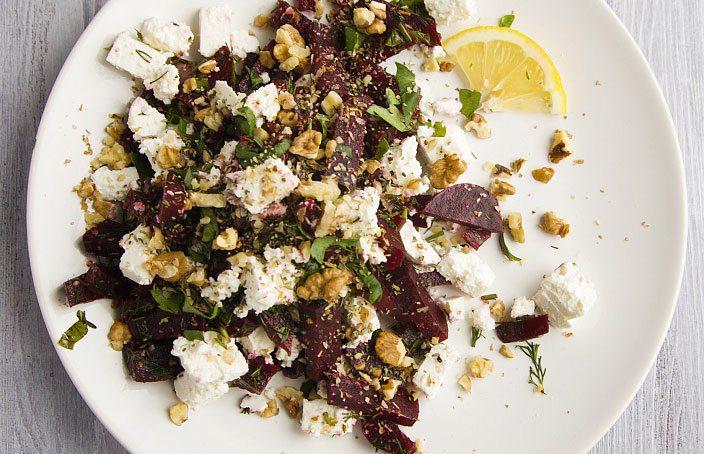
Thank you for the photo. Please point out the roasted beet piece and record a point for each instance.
(432, 279)
(173, 201)
(354, 395)
(151, 361)
(387, 437)
(258, 376)
(225, 72)
(103, 239)
(392, 245)
(139, 302)
(98, 282)
(297, 370)
(164, 325)
(362, 65)
(521, 330)
(242, 327)
(144, 204)
(317, 35)
(363, 358)
(476, 236)
(320, 335)
(306, 5)
(466, 204)
(350, 128)
(278, 324)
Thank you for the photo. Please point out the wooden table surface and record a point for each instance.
(41, 412)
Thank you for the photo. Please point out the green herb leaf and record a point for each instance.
(405, 78)
(324, 125)
(141, 163)
(493, 296)
(253, 78)
(344, 149)
(507, 253)
(470, 101)
(537, 373)
(440, 129)
(527, 75)
(476, 335)
(506, 21)
(394, 39)
(191, 335)
(391, 115)
(168, 300)
(381, 149)
(369, 281)
(246, 121)
(420, 36)
(76, 332)
(321, 245)
(210, 230)
(434, 236)
(139, 35)
(409, 102)
(353, 39)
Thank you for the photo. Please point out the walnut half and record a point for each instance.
(554, 225)
(561, 147)
(326, 285)
(307, 144)
(390, 349)
(170, 266)
(544, 174)
(501, 189)
(447, 171)
(514, 221)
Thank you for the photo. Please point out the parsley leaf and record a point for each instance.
(470, 101)
(76, 332)
(321, 245)
(168, 300)
(353, 39)
(210, 230)
(405, 78)
(381, 149)
(369, 281)
(246, 121)
(391, 115)
(440, 129)
(192, 335)
(506, 20)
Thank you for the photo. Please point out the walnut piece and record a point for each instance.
(480, 367)
(113, 154)
(447, 66)
(227, 240)
(331, 103)
(465, 383)
(390, 349)
(544, 174)
(262, 20)
(379, 9)
(170, 266)
(326, 190)
(447, 171)
(271, 409)
(389, 389)
(514, 221)
(326, 285)
(479, 126)
(287, 118)
(261, 134)
(307, 144)
(204, 200)
(501, 171)
(319, 9)
(376, 28)
(290, 398)
(363, 17)
(561, 146)
(507, 352)
(208, 66)
(266, 59)
(552, 224)
(178, 413)
(517, 164)
(287, 100)
(169, 157)
(501, 189)
(498, 309)
(118, 335)
(291, 50)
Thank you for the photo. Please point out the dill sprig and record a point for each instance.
(476, 335)
(537, 372)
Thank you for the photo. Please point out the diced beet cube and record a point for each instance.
(521, 330)
(306, 5)
(466, 204)
(476, 236)
(144, 204)
(321, 324)
(279, 325)
(103, 239)
(242, 327)
(224, 60)
(98, 282)
(349, 131)
(317, 35)
(151, 361)
(432, 279)
(173, 202)
(387, 436)
(139, 302)
(363, 65)
(258, 376)
(164, 325)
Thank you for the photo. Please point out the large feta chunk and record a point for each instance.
(286, 359)
(522, 306)
(466, 271)
(145, 121)
(481, 318)
(270, 281)
(258, 344)
(565, 294)
(429, 376)
(361, 320)
(372, 251)
(115, 184)
(220, 289)
(208, 360)
(355, 213)
(448, 11)
(400, 166)
(259, 186)
(320, 418)
(264, 103)
(454, 306)
(167, 36)
(227, 100)
(436, 148)
(419, 250)
(134, 262)
(196, 393)
(135, 57)
(164, 83)
(218, 28)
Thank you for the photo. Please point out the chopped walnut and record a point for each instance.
(102, 206)
(479, 126)
(326, 190)
(465, 383)
(561, 146)
(517, 164)
(169, 157)
(116, 127)
(514, 221)
(554, 225)
(447, 171)
(85, 189)
(113, 154)
(118, 335)
(431, 65)
(197, 278)
(363, 17)
(389, 389)
(330, 148)
(287, 118)
(379, 9)
(480, 367)
(178, 413)
(227, 240)
(287, 100)
(331, 103)
(319, 9)
(507, 352)
(170, 266)
(446, 66)
(390, 349)
(370, 166)
(190, 85)
(261, 134)
(156, 242)
(376, 28)
(501, 189)
(544, 175)
(291, 50)
(498, 309)
(326, 285)
(271, 409)
(204, 200)
(262, 20)
(208, 66)
(266, 59)
(501, 171)
(307, 144)
(290, 398)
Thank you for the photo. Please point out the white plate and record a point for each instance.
(632, 174)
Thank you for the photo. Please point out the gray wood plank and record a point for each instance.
(40, 411)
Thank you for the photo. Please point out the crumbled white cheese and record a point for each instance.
(419, 250)
(227, 100)
(565, 294)
(151, 147)
(448, 11)
(115, 184)
(522, 306)
(454, 306)
(167, 36)
(355, 213)
(207, 180)
(481, 318)
(429, 376)
(270, 281)
(372, 252)
(135, 260)
(257, 344)
(287, 359)
(259, 186)
(436, 148)
(320, 418)
(145, 121)
(256, 403)
(264, 103)
(468, 272)
(197, 393)
(164, 83)
(361, 320)
(400, 166)
(218, 28)
(135, 57)
(227, 283)
(227, 154)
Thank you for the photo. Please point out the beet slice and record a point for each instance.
(151, 361)
(476, 236)
(297, 370)
(279, 326)
(392, 245)
(466, 204)
(103, 240)
(98, 282)
(242, 327)
(224, 60)
(139, 302)
(354, 395)
(387, 437)
(257, 377)
(521, 330)
(317, 35)
(173, 202)
(432, 279)
(364, 65)
(306, 5)
(349, 132)
(321, 325)
(363, 359)
(164, 325)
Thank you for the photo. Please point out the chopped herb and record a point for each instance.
(369, 281)
(470, 102)
(324, 125)
(476, 335)
(344, 149)
(394, 39)
(192, 335)
(537, 372)
(420, 36)
(353, 39)
(245, 411)
(144, 56)
(210, 230)
(507, 253)
(321, 245)
(246, 121)
(490, 297)
(440, 129)
(507, 20)
(554, 247)
(158, 78)
(527, 75)
(329, 420)
(474, 156)
(139, 35)
(354, 415)
(76, 332)
(434, 236)
(169, 300)
(405, 34)
(405, 78)
(381, 149)
(253, 78)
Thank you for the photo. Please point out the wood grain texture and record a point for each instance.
(41, 412)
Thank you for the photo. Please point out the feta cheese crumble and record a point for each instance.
(320, 418)
(481, 318)
(355, 213)
(258, 344)
(270, 281)
(257, 403)
(217, 29)
(135, 260)
(522, 306)
(220, 289)
(264, 103)
(145, 121)
(361, 320)
(419, 250)
(135, 57)
(400, 166)
(259, 186)
(436, 148)
(115, 184)
(565, 294)
(227, 100)
(167, 36)
(372, 252)
(448, 11)
(164, 83)
(466, 271)
(429, 376)
(287, 359)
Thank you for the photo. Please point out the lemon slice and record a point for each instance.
(510, 70)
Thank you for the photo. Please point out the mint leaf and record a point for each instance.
(405, 78)
(390, 115)
(353, 39)
(470, 101)
(369, 281)
(506, 20)
(168, 300)
(409, 102)
(76, 332)
(440, 129)
(246, 121)
(321, 245)
(191, 335)
(381, 149)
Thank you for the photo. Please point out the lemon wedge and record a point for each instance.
(510, 70)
